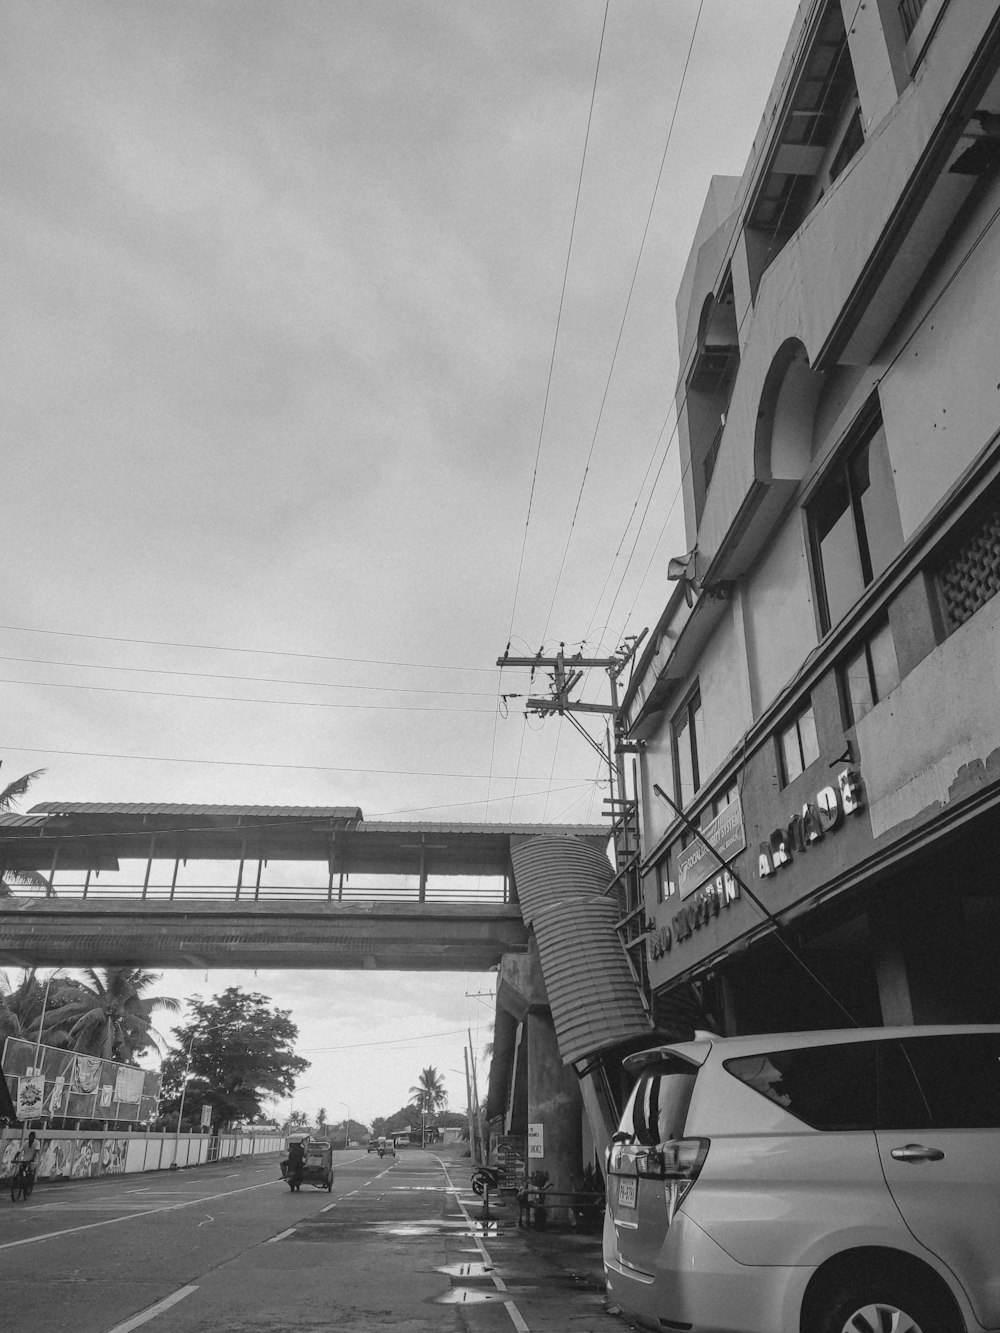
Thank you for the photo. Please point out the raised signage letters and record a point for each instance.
(815, 821)
(703, 907)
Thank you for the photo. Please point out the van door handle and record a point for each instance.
(916, 1152)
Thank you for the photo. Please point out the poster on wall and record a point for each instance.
(30, 1095)
(536, 1141)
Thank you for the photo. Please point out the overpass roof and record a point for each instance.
(96, 835)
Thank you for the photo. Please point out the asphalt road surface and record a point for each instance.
(397, 1247)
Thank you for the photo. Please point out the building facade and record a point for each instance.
(820, 700)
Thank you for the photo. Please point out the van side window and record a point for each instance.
(959, 1078)
(828, 1087)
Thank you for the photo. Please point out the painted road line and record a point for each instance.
(137, 1320)
(132, 1217)
(513, 1313)
(281, 1235)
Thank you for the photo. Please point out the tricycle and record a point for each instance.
(316, 1164)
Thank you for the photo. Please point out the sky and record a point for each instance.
(340, 351)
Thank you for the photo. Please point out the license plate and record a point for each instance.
(626, 1193)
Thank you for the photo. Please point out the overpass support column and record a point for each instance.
(554, 1103)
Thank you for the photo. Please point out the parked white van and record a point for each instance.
(810, 1182)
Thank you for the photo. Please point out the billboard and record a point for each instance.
(61, 1083)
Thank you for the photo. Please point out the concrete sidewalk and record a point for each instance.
(553, 1279)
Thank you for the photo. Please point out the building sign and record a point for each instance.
(704, 907)
(536, 1141)
(726, 835)
(817, 819)
(206, 1116)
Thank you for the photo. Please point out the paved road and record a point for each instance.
(397, 1247)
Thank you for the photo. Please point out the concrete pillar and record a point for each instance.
(554, 1103)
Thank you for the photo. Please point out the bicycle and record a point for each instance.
(23, 1182)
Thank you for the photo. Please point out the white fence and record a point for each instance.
(81, 1154)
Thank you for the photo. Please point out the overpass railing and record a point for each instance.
(488, 893)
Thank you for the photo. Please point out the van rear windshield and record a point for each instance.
(658, 1107)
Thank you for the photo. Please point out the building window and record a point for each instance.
(968, 576)
(710, 387)
(664, 885)
(723, 799)
(811, 135)
(869, 675)
(854, 525)
(909, 12)
(688, 744)
(798, 746)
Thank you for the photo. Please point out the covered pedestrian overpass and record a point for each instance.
(207, 886)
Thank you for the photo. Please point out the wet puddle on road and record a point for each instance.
(470, 1296)
(469, 1270)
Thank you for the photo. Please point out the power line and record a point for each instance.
(253, 763)
(555, 338)
(229, 648)
(238, 699)
(628, 303)
(262, 680)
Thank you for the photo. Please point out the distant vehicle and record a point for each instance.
(828, 1182)
(386, 1145)
(373, 1145)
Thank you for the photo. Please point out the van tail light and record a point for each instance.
(678, 1164)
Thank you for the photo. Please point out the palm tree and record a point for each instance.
(27, 878)
(428, 1094)
(321, 1122)
(110, 1017)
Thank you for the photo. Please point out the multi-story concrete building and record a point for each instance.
(821, 696)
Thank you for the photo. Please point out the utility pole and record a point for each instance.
(566, 674)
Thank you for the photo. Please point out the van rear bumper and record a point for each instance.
(707, 1292)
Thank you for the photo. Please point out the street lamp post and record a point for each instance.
(180, 1109)
(347, 1127)
(38, 1046)
(187, 1072)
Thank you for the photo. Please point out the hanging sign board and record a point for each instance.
(696, 864)
(536, 1141)
(30, 1095)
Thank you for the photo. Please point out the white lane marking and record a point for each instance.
(513, 1313)
(149, 1212)
(281, 1235)
(329, 1206)
(208, 1218)
(153, 1311)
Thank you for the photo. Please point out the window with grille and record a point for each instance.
(969, 574)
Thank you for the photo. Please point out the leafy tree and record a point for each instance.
(241, 1054)
(321, 1125)
(110, 1016)
(9, 796)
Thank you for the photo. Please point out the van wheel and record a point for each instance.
(884, 1305)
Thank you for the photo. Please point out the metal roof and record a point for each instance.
(97, 835)
(593, 996)
(171, 808)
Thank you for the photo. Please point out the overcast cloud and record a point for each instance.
(281, 289)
